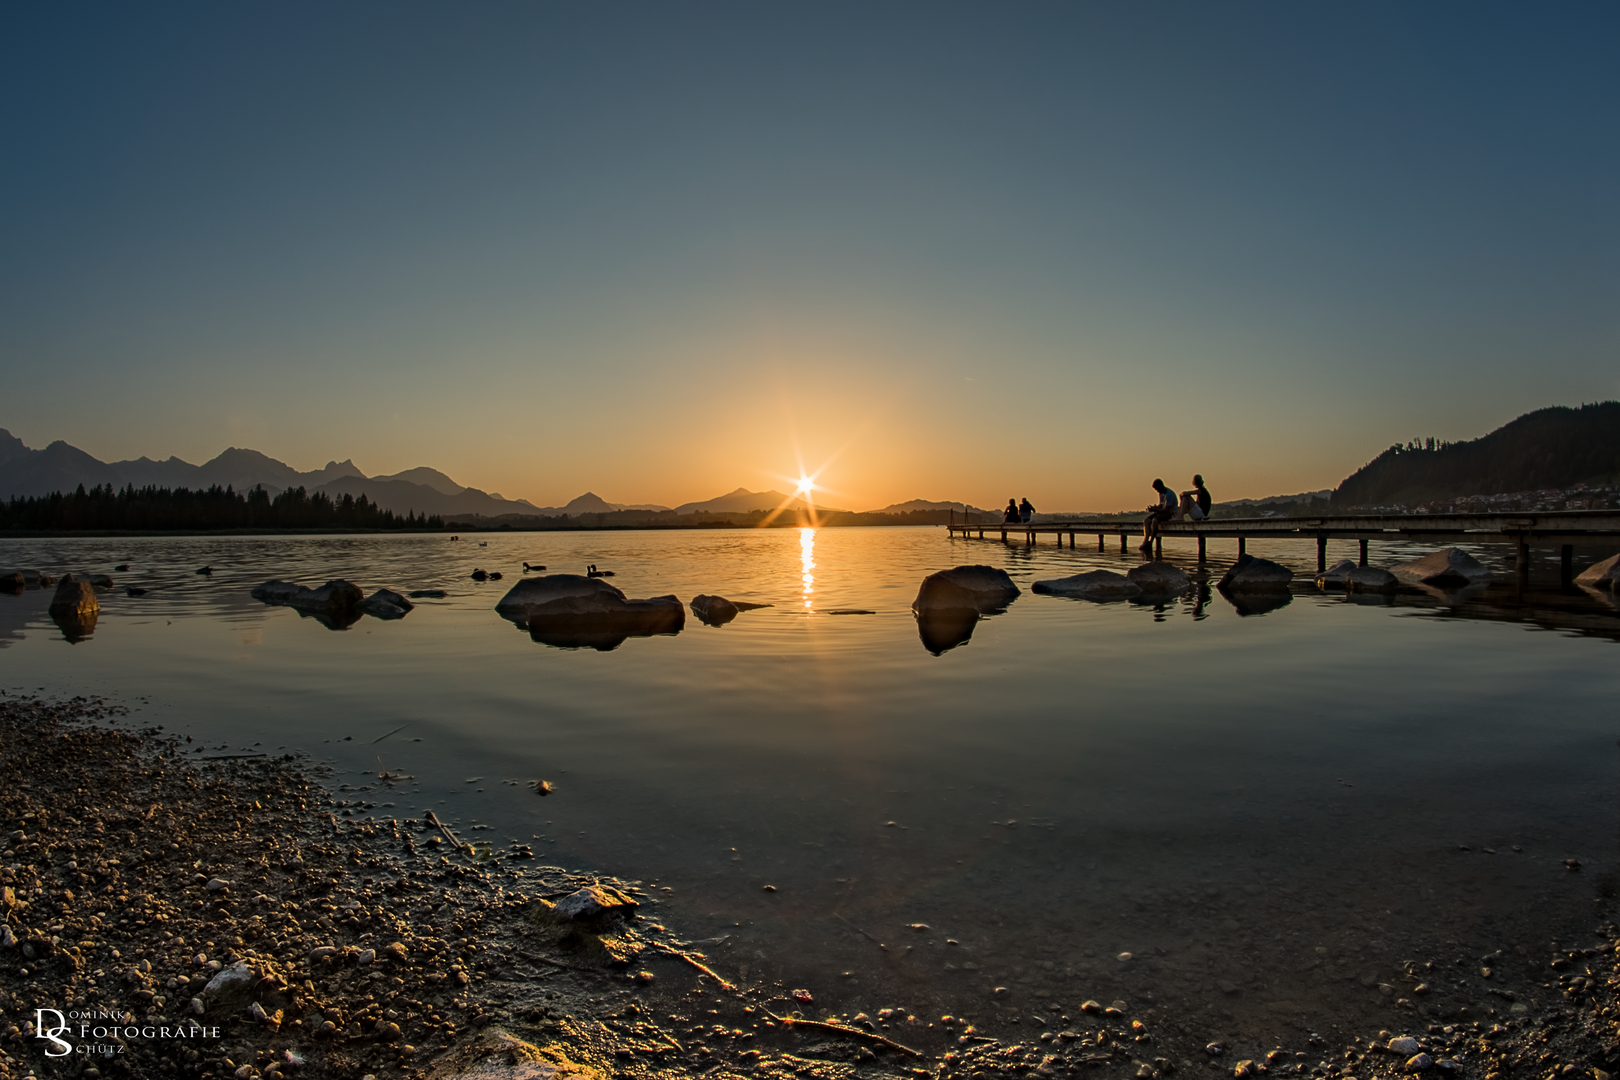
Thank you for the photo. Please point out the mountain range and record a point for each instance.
(62, 467)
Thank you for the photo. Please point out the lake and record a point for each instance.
(1269, 813)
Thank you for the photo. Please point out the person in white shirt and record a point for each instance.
(1195, 504)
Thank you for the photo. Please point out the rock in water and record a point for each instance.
(386, 604)
(977, 588)
(1257, 574)
(74, 599)
(713, 610)
(575, 592)
(1371, 579)
(571, 611)
(1605, 575)
(1448, 566)
(592, 901)
(335, 597)
(276, 591)
(1337, 575)
(13, 581)
(1159, 577)
(1092, 585)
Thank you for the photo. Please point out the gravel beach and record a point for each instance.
(169, 913)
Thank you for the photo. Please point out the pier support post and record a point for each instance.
(1521, 563)
(1158, 547)
(1003, 536)
(1566, 565)
(1363, 553)
(1321, 554)
(1100, 537)
(1122, 539)
(1243, 547)
(1202, 542)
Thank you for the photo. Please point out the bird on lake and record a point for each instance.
(494, 575)
(133, 591)
(529, 569)
(207, 570)
(592, 571)
(479, 575)
(121, 567)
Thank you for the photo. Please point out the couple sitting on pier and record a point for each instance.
(1192, 504)
(1018, 513)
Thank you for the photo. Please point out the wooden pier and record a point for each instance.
(1562, 529)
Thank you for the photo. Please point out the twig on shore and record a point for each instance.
(841, 1029)
(861, 932)
(695, 962)
(232, 757)
(455, 841)
(396, 731)
(559, 964)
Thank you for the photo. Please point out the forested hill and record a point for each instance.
(1557, 447)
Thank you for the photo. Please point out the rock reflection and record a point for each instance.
(75, 627)
(943, 629)
(1257, 601)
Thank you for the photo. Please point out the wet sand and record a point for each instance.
(228, 917)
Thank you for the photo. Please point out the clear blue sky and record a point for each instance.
(660, 250)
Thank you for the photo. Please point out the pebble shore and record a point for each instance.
(200, 918)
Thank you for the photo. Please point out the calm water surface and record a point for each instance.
(1268, 812)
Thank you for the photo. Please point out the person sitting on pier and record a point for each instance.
(1025, 511)
(1164, 510)
(1011, 516)
(1195, 504)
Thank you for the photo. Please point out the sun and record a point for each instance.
(807, 484)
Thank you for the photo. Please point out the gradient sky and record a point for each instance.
(660, 250)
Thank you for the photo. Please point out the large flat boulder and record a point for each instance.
(1448, 566)
(973, 588)
(570, 611)
(570, 593)
(1250, 574)
(1605, 575)
(1336, 576)
(1158, 577)
(336, 597)
(75, 598)
(1371, 579)
(1091, 585)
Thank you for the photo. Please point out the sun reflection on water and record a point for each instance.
(807, 563)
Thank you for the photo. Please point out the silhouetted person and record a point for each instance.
(1159, 512)
(1025, 511)
(1010, 515)
(1195, 504)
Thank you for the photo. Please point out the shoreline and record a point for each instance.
(231, 917)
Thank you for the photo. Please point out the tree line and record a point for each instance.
(183, 509)
(1550, 448)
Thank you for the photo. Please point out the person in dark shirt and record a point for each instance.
(1161, 511)
(1195, 504)
(1025, 511)
(1011, 515)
